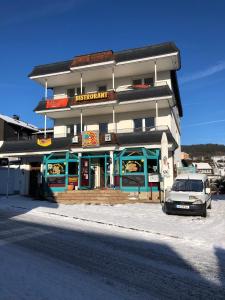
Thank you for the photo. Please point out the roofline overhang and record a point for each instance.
(147, 58)
(87, 67)
(49, 75)
(51, 110)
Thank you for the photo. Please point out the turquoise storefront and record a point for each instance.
(132, 168)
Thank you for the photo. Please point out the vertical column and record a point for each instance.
(155, 72)
(81, 83)
(156, 113)
(81, 121)
(79, 170)
(46, 95)
(114, 120)
(111, 168)
(113, 78)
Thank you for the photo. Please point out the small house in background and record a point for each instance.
(13, 129)
(14, 173)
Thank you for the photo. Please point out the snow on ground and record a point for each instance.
(189, 249)
(208, 231)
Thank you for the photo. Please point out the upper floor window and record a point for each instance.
(149, 81)
(149, 122)
(78, 128)
(137, 81)
(103, 127)
(79, 90)
(102, 88)
(70, 130)
(137, 124)
(144, 81)
(70, 93)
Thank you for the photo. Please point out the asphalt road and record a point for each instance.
(44, 258)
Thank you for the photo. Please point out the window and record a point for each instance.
(70, 93)
(137, 81)
(73, 168)
(103, 127)
(133, 166)
(79, 90)
(137, 124)
(56, 168)
(187, 185)
(70, 130)
(78, 129)
(149, 122)
(149, 81)
(145, 81)
(102, 88)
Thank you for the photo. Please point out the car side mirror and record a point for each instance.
(208, 190)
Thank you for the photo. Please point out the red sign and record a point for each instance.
(57, 103)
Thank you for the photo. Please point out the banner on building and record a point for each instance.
(44, 142)
(90, 139)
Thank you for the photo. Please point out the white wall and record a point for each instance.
(17, 179)
(123, 121)
(162, 78)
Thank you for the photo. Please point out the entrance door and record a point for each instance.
(85, 173)
(34, 184)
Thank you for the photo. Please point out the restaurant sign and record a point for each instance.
(90, 139)
(92, 96)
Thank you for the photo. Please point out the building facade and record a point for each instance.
(109, 110)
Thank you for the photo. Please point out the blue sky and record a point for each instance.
(39, 32)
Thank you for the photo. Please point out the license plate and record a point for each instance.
(183, 206)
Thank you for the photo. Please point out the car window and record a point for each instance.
(187, 185)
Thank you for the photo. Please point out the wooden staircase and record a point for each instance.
(98, 196)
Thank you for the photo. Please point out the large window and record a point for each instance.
(103, 127)
(79, 90)
(149, 122)
(77, 129)
(133, 166)
(102, 88)
(70, 93)
(73, 168)
(137, 124)
(56, 168)
(146, 81)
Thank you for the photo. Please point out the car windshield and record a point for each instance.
(187, 185)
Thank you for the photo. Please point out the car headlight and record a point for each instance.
(169, 200)
(198, 202)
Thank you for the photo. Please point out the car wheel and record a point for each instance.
(204, 213)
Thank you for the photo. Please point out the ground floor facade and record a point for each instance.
(132, 169)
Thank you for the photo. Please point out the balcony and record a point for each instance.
(161, 90)
(150, 135)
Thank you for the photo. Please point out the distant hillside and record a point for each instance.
(206, 150)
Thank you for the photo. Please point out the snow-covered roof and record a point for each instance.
(202, 165)
(18, 122)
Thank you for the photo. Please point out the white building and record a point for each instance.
(109, 111)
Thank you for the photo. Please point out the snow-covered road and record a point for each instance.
(104, 252)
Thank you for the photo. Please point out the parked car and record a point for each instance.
(190, 194)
